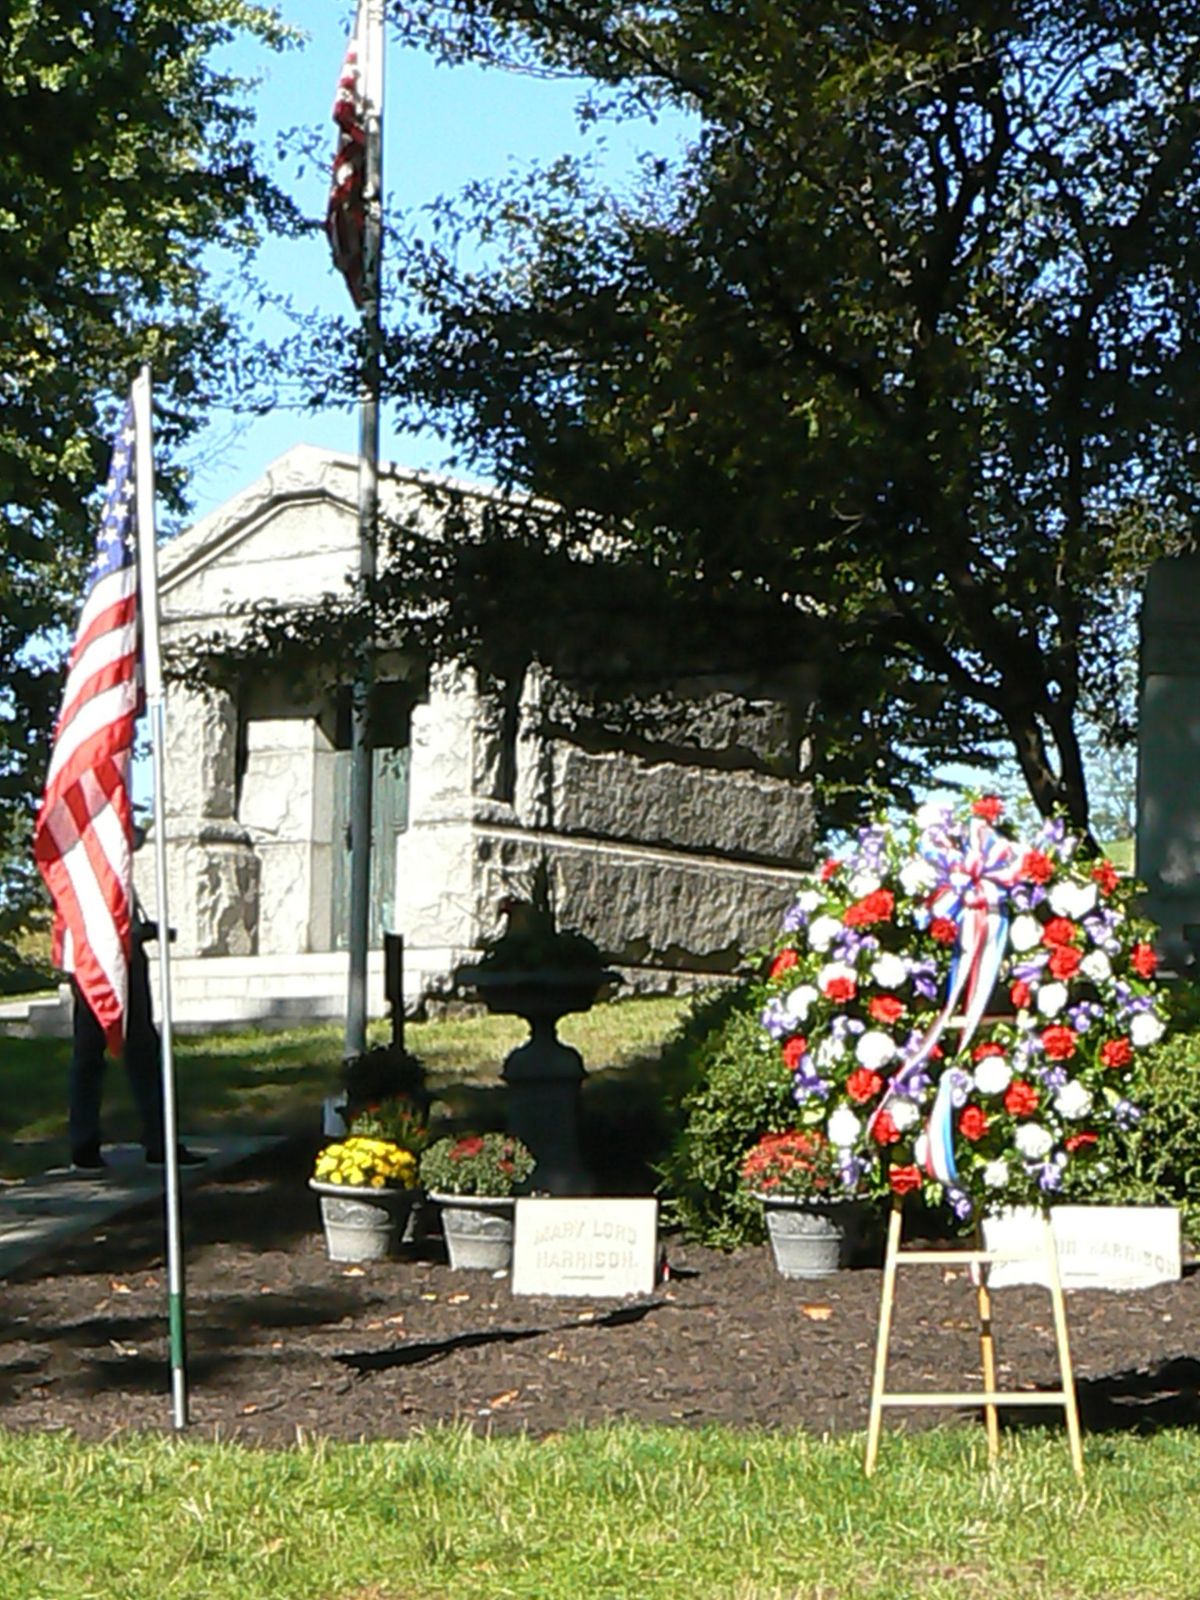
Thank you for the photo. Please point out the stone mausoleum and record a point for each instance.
(674, 861)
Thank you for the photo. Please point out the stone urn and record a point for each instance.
(544, 1075)
(478, 1230)
(362, 1224)
(809, 1238)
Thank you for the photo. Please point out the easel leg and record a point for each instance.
(987, 1351)
(1066, 1371)
(886, 1301)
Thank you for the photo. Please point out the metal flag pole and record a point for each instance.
(372, 45)
(152, 663)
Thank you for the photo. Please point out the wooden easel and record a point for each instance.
(989, 1397)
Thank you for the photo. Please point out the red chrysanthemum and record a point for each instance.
(840, 990)
(1116, 1053)
(1037, 866)
(1143, 960)
(904, 1179)
(1059, 1042)
(1059, 931)
(990, 808)
(944, 930)
(884, 1130)
(794, 1051)
(875, 907)
(1064, 961)
(783, 962)
(973, 1124)
(1020, 994)
(1020, 1098)
(982, 1051)
(886, 1008)
(863, 1085)
(1106, 875)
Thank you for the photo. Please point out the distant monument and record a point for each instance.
(1168, 798)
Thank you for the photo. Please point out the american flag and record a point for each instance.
(345, 216)
(83, 837)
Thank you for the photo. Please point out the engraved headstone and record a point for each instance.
(585, 1248)
(1099, 1247)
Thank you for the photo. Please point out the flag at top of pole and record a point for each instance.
(83, 836)
(345, 217)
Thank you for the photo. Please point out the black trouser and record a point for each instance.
(143, 1062)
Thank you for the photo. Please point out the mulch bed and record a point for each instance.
(284, 1344)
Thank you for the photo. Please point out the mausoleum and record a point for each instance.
(673, 861)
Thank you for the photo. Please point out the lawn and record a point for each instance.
(272, 1081)
(626, 1512)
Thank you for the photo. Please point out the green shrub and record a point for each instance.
(732, 1091)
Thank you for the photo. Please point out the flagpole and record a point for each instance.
(368, 521)
(152, 660)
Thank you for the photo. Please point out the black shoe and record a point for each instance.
(184, 1156)
(88, 1159)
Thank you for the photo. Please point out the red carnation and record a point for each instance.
(840, 989)
(973, 1124)
(904, 1179)
(1059, 1042)
(1143, 960)
(1059, 931)
(783, 962)
(863, 1085)
(1116, 1053)
(1020, 1098)
(990, 808)
(875, 907)
(793, 1051)
(1079, 1141)
(944, 930)
(982, 1051)
(829, 869)
(465, 1148)
(1064, 961)
(1106, 875)
(1037, 866)
(1020, 994)
(886, 1008)
(884, 1130)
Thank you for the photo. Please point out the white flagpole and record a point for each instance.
(152, 665)
(372, 45)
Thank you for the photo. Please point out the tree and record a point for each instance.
(125, 154)
(894, 367)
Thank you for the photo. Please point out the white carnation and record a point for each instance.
(828, 1054)
(1051, 998)
(1072, 900)
(995, 1174)
(905, 1113)
(832, 971)
(917, 876)
(843, 1128)
(1025, 933)
(1096, 966)
(823, 931)
(1146, 1029)
(1073, 1101)
(1033, 1141)
(889, 971)
(799, 1002)
(875, 1049)
(864, 883)
(808, 900)
(992, 1075)
(934, 814)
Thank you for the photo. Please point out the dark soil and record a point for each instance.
(284, 1343)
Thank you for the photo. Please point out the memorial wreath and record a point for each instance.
(961, 1009)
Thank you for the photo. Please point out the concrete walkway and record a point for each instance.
(37, 1214)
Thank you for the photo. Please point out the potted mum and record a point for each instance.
(474, 1179)
(796, 1178)
(366, 1187)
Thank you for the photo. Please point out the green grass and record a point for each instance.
(270, 1081)
(636, 1513)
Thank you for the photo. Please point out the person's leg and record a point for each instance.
(143, 1053)
(85, 1084)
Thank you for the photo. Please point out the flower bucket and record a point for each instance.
(362, 1225)
(478, 1230)
(808, 1237)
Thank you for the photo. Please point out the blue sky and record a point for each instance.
(443, 127)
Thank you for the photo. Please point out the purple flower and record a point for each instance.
(1027, 896)
(960, 1203)
(1049, 1177)
(807, 1083)
(851, 1170)
(775, 1020)
(1126, 1115)
(795, 918)
(923, 976)
(1053, 1077)
(841, 1026)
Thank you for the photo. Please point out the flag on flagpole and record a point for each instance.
(345, 217)
(83, 836)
